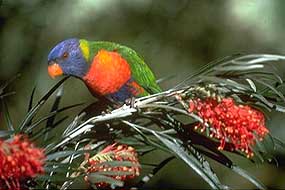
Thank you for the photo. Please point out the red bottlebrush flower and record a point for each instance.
(240, 125)
(19, 161)
(114, 152)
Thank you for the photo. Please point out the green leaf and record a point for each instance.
(218, 157)
(36, 108)
(31, 103)
(239, 68)
(51, 114)
(62, 154)
(63, 169)
(234, 168)
(263, 100)
(117, 163)
(96, 178)
(145, 137)
(3, 86)
(54, 108)
(5, 133)
(271, 88)
(251, 84)
(113, 173)
(7, 116)
(191, 161)
(162, 164)
(248, 176)
(279, 142)
(203, 170)
(261, 74)
(31, 99)
(54, 178)
(229, 82)
(7, 94)
(161, 80)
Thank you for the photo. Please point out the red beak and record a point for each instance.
(54, 70)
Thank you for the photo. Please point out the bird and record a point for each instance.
(109, 70)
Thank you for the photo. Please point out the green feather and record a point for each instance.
(141, 73)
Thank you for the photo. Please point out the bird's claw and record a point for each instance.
(130, 102)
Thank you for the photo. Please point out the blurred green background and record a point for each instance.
(174, 37)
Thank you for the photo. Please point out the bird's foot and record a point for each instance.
(130, 102)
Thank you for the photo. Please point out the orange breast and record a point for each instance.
(108, 72)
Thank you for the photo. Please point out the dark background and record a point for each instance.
(174, 37)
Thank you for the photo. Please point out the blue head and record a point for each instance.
(67, 58)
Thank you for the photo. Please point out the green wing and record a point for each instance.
(141, 73)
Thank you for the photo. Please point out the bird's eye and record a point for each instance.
(65, 55)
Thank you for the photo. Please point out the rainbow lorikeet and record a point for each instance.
(109, 70)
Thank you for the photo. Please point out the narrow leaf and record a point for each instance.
(114, 173)
(191, 161)
(62, 154)
(49, 115)
(239, 68)
(246, 175)
(96, 178)
(2, 87)
(251, 84)
(5, 133)
(35, 108)
(7, 116)
(55, 106)
(31, 103)
(271, 88)
(31, 99)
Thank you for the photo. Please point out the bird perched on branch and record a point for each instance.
(109, 70)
